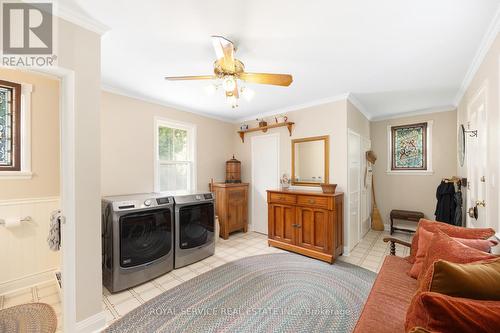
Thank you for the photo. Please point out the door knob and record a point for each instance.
(481, 203)
(473, 212)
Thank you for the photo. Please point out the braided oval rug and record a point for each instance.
(265, 293)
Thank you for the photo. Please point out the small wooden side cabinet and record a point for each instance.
(307, 222)
(231, 206)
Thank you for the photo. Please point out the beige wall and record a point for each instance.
(44, 139)
(356, 121)
(127, 127)
(488, 74)
(414, 192)
(79, 50)
(328, 119)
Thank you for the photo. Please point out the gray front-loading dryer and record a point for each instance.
(194, 228)
(137, 239)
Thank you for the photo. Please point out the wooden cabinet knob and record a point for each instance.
(311, 201)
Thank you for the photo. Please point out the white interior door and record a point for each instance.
(354, 188)
(365, 189)
(265, 176)
(476, 151)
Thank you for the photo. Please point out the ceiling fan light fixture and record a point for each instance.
(247, 93)
(232, 100)
(229, 83)
(229, 73)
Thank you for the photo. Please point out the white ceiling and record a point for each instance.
(393, 56)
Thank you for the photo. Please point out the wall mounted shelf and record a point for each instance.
(264, 129)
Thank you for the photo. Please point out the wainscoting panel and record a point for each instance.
(24, 253)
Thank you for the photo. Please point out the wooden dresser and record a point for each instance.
(231, 206)
(307, 222)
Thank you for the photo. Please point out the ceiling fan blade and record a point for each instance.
(267, 78)
(224, 49)
(199, 77)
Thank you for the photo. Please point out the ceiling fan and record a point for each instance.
(229, 70)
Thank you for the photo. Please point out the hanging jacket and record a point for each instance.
(446, 204)
(458, 209)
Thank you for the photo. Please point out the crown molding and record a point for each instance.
(295, 107)
(81, 19)
(129, 94)
(361, 108)
(437, 109)
(486, 43)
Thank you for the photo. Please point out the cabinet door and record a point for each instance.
(237, 208)
(281, 223)
(312, 229)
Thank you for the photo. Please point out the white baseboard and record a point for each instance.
(27, 281)
(92, 324)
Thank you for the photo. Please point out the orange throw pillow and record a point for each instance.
(424, 241)
(446, 248)
(442, 313)
(450, 230)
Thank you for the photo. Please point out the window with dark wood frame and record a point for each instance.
(10, 126)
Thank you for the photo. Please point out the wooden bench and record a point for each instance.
(405, 215)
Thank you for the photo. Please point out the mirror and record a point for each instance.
(310, 161)
(461, 145)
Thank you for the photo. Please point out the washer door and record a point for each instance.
(196, 225)
(145, 237)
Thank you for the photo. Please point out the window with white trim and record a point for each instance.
(175, 156)
(10, 126)
(15, 130)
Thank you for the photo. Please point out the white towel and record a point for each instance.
(54, 238)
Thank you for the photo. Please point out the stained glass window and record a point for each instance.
(9, 126)
(409, 147)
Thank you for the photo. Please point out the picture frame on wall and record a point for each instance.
(408, 149)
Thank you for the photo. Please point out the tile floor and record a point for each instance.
(47, 292)
(369, 253)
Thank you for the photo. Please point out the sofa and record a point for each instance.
(388, 303)
(390, 297)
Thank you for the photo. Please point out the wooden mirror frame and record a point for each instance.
(324, 138)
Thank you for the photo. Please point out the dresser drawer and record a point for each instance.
(313, 201)
(283, 198)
